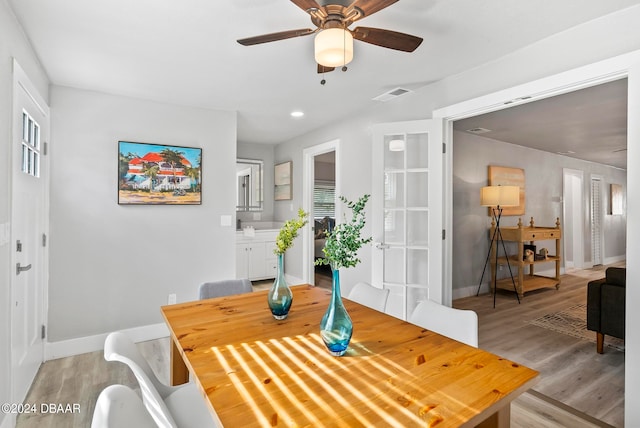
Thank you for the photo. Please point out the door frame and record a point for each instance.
(579, 78)
(21, 81)
(626, 65)
(308, 176)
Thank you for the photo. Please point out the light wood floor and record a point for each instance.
(571, 371)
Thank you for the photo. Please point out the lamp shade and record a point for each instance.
(333, 47)
(504, 196)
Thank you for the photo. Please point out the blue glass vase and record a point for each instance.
(336, 327)
(280, 296)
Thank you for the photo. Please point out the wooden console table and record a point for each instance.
(523, 235)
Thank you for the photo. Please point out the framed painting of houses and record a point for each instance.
(157, 174)
(282, 181)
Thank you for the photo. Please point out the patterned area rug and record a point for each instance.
(573, 322)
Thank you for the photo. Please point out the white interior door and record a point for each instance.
(596, 221)
(28, 231)
(407, 213)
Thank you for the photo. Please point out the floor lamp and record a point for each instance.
(496, 198)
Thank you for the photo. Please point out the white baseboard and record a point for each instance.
(293, 280)
(472, 290)
(9, 420)
(611, 260)
(82, 345)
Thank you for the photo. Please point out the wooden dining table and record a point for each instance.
(255, 371)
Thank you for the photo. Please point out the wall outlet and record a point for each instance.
(172, 299)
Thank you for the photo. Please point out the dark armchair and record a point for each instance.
(606, 305)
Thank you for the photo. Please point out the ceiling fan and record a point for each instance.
(334, 39)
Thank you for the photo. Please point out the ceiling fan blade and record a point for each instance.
(387, 38)
(272, 37)
(369, 7)
(306, 4)
(323, 69)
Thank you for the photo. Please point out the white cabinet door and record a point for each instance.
(256, 260)
(271, 261)
(242, 261)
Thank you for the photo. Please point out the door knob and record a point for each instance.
(22, 268)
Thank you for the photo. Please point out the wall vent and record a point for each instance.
(394, 93)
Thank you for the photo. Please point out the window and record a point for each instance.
(30, 145)
(324, 200)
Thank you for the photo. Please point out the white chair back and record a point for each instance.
(119, 406)
(368, 295)
(118, 347)
(181, 406)
(458, 324)
(228, 287)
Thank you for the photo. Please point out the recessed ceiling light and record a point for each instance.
(297, 113)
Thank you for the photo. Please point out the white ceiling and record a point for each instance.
(185, 52)
(590, 124)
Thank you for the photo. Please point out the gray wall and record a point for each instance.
(472, 155)
(13, 44)
(113, 266)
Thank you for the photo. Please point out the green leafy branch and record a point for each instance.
(344, 241)
(289, 232)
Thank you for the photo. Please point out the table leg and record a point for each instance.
(179, 372)
(500, 419)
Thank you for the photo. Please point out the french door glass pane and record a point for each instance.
(393, 159)
(417, 266)
(394, 227)
(417, 150)
(393, 190)
(419, 184)
(393, 262)
(418, 228)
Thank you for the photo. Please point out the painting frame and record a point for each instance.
(159, 174)
(616, 199)
(282, 181)
(508, 176)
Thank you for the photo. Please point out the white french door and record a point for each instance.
(407, 213)
(29, 220)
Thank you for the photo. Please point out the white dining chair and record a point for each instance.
(181, 406)
(457, 324)
(119, 406)
(368, 295)
(226, 287)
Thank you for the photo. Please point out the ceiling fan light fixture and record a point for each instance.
(333, 47)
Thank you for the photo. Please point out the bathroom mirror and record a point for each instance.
(249, 185)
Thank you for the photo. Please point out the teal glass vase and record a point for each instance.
(280, 296)
(336, 327)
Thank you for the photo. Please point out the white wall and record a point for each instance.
(113, 266)
(632, 334)
(603, 38)
(13, 44)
